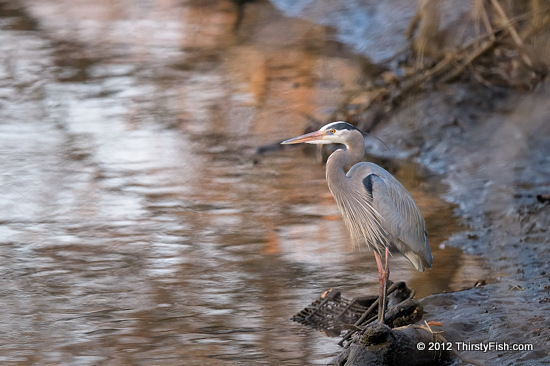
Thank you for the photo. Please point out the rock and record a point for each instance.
(410, 345)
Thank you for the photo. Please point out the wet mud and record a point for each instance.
(493, 149)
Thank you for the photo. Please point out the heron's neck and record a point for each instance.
(342, 159)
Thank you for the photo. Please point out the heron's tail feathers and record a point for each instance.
(419, 260)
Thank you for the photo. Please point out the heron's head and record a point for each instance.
(333, 133)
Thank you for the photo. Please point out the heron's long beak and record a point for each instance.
(308, 137)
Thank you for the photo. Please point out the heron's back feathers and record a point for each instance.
(388, 210)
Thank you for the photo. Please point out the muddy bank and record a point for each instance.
(492, 148)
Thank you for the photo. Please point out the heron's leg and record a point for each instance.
(386, 279)
(382, 289)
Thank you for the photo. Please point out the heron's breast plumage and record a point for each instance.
(362, 219)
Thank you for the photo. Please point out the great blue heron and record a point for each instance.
(376, 208)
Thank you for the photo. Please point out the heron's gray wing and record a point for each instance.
(399, 214)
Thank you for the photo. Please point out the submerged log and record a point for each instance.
(331, 313)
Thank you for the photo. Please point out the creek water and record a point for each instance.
(138, 225)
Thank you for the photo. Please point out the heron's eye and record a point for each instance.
(332, 131)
